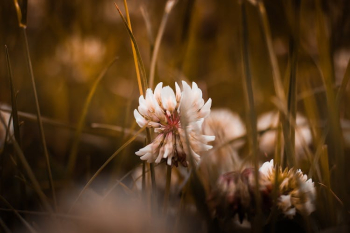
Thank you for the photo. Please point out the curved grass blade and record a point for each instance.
(133, 50)
(168, 7)
(139, 58)
(75, 145)
(25, 223)
(105, 164)
(13, 99)
(29, 171)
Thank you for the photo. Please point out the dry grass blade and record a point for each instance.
(13, 99)
(26, 224)
(250, 108)
(29, 171)
(168, 7)
(120, 129)
(274, 63)
(133, 50)
(104, 165)
(344, 83)
(4, 227)
(326, 179)
(40, 123)
(293, 58)
(75, 144)
(326, 64)
(139, 58)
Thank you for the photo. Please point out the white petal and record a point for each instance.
(168, 99)
(139, 119)
(205, 110)
(157, 92)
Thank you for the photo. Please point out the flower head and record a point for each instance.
(225, 125)
(296, 192)
(163, 111)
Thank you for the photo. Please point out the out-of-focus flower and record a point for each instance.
(164, 110)
(296, 192)
(234, 192)
(232, 195)
(6, 118)
(80, 55)
(269, 120)
(225, 126)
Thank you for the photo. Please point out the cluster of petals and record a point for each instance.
(296, 192)
(164, 110)
(234, 192)
(232, 195)
(225, 125)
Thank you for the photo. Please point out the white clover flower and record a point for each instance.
(162, 110)
(297, 192)
(225, 125)
(267, 141)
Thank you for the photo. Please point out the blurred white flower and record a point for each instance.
(225, 126)
(267, 141)
(163, 111)
(297, 192)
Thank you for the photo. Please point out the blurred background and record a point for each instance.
(72, 41)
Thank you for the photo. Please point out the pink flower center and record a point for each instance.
(173, 122)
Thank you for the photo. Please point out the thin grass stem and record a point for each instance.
(133, 50)
(104, 165)
(168, 7)
(250, 108)
(26, 224)
(40, 123)
(75, 145)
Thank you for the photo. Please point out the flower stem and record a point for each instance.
(167, 189)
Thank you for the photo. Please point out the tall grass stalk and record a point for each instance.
(250, 108)
(326, 65)
(15, 121)
(168, 7)
(40, 123)
(13, 99)
(139, 58)
(75, 145)
(133, 50)
(144, 85)
(29, 171)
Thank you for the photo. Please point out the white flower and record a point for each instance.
(297, 192)
(162, 110)
(267, 142)
(225, 126)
